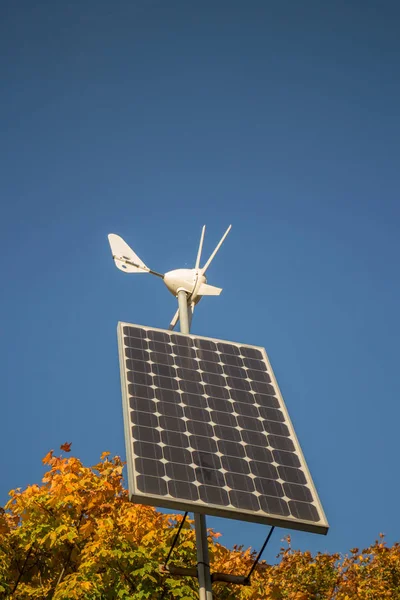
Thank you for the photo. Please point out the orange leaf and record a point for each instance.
(48, 458)
(66, 447)
(104, 455)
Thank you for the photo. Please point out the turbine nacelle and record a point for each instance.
(183, 279)
(192, 281)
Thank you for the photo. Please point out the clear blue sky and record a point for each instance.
(149, 118)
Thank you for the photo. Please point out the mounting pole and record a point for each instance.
(203, 563)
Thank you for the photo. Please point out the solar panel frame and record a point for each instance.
(165, 501)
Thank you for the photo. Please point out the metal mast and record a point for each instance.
(203, 563)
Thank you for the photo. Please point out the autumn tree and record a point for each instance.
(77, 536)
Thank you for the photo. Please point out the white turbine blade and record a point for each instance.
(204, 269)
(197, 265)
(124, 257)
(174, 321)
(208, 290)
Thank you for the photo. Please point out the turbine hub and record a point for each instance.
(184, 279)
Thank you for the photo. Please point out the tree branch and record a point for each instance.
(22, 570)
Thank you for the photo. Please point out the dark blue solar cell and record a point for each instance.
(254, 438)
(280, 443)
(139, 378)
(269, 487)
(160, 347)
(262, 388)
(146, 466)
(250, 423)
(208, 356)
(146, 450)
(264, 469)
(252, 363)
(137, 354)
(289, 459)
(192, 387)
(238, 384)
(258, 376)
(246, 410)
(251, 353)
(175, 438)
(199, 428)
(189, 374)
(163, 370)
(142, 404)
(138, 365)
(142, 391)
(180, 471)
(183, 490)
(167, 395)
(169, 409)
(181, 340)
(235, 371)
(146, 434)
(274, 506)
(236, 481)
(213, 495)
(151, 485)
(194, 400)
(145, 419)
(292, 475)
(231, 448)
(235, 465)
(197, 414)
(228, 349)
(259, 454)
(203, 444)
(205, 345)
(271, 414)
(210, 477)
(135, 332)
(219, 404)
(172, 424)
(297, 492)
(216, 392)
(210, 367)
(177, 455)
(206, 460)
(244, 500)
(161, 359)
(231, 360)
(221, 418)
(158, 336)
(227, 433)
(165, 382)
(266, 400)
(302, 510)
(214, 379)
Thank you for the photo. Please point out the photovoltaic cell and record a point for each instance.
(207, 430)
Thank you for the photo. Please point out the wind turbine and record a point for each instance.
(188, 285)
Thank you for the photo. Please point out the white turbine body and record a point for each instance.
(192, 281)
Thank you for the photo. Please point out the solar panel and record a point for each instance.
(207, 430)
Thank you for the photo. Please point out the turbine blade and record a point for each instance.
(174, 321)
(204, 269)
(208, 290)
(197, 265)
(126, 259)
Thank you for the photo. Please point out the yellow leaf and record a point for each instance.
(48, 458)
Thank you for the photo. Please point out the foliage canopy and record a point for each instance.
(77, 536)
